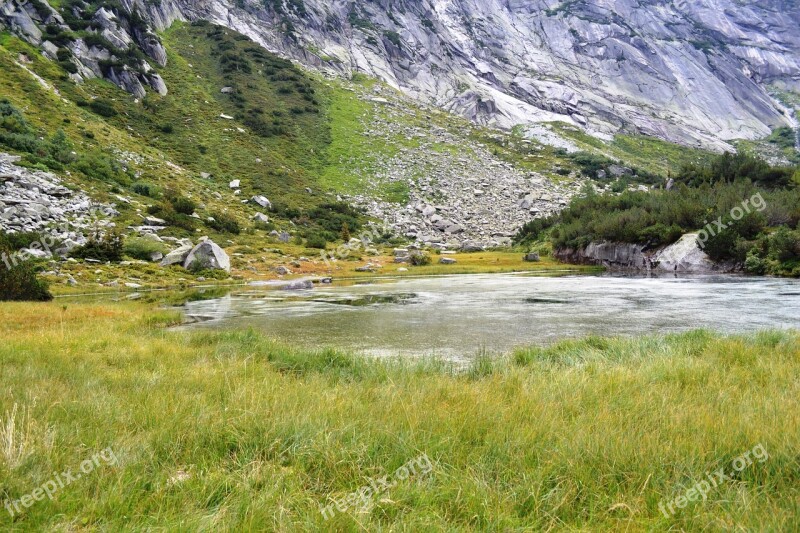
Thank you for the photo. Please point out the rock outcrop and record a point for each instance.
(682, 257)
(91, 43)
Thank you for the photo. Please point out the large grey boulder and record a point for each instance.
(208, 255)
(262, 201)
(685, 256)
(177, 256)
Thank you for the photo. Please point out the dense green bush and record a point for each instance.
(331, 217)
(143, 249)
(730, 168)
(224, 223)
(14, 242)
(316, 241)
(107, 247)
(18, 280)
(764, 239)
(104, 108)
(182, 205)
(534, 230)
(146, 189)
(20, 283)
(420, 259)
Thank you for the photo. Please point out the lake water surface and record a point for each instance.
(460, 316)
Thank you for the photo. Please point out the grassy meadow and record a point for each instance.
(224, 431)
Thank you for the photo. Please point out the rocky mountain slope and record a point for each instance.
(690, 71)
(208, 107)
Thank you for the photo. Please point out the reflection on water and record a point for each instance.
(368, 299)
(458, 316)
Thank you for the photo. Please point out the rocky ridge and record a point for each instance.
(91, 43)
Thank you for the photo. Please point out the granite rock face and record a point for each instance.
(682, 257)
(694, 72)
(98, 47)
(207, 255)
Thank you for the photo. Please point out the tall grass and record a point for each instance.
(231, 431)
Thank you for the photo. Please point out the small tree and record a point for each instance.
(345, 232)
(106, 248)
(60, 147)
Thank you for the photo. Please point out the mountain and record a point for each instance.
(373, 121)
(700, 72)
(696, 72)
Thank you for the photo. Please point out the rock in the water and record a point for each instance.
(299, 285)
(208, 255)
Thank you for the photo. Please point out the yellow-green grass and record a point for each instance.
(228, 431)
(488, 262)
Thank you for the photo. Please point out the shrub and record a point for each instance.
(106, 247)
(533, 230)
(13, 242)
(224, 223)
(728, 168)
(316, 241)
(784, 245)
(60, 148)
(183, 205)
(755, 264)
(103, 108)
(103, 168)
(420, 259)
(145, 189)
(19, 283)
(142, 249)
